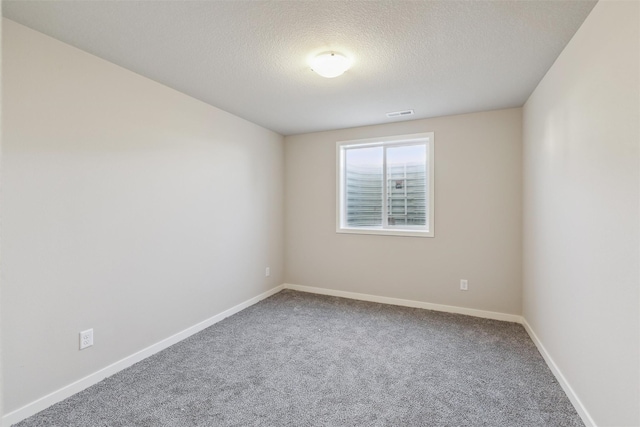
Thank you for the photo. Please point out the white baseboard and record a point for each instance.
(83, 383)
(77, 386)
(575, 401)
(408, 303)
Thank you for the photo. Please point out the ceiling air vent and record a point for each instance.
(400, 113)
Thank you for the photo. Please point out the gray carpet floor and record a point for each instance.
(298, 359)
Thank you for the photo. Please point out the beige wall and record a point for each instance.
(477, 217)
(581, 213)
(127, 207)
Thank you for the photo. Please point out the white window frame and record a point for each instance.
(390, 141)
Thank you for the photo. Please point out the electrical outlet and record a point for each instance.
(86, 339)
(267, 272)
(464, 285)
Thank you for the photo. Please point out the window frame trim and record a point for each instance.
(393, 140)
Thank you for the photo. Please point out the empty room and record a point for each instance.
(320, 213)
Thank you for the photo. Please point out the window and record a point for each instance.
(385, 186)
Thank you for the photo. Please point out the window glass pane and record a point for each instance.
(406, 186)
(364, 183)
(385, 186)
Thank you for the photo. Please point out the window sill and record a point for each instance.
(386, 232)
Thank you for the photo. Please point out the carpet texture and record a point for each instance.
(298, 359)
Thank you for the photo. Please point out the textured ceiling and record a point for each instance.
(250, 57)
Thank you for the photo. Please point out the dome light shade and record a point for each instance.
(330, 64)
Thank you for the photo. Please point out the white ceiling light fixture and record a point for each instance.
(330, 64)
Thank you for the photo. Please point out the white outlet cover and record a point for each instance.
(86, 339)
